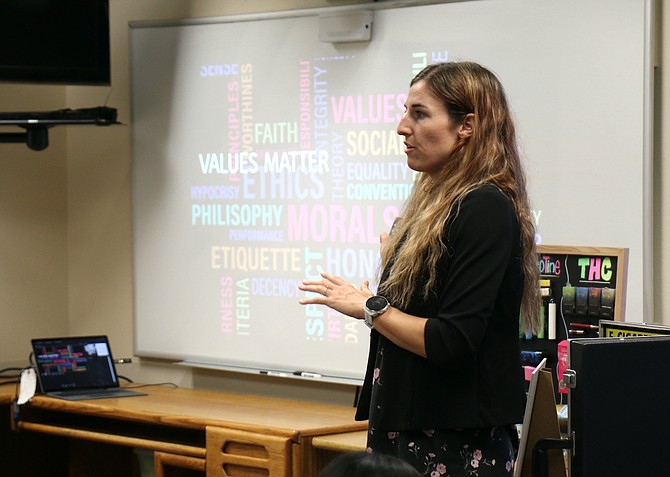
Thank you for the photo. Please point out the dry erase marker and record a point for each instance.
(307, 374)
(274, 373)
(584, 326)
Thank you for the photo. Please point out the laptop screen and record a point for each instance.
(74, 363)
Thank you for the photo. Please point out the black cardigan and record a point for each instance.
(472, 376)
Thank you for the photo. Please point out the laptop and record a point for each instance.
(77, 368)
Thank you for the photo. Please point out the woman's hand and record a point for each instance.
(337, 294)
(404, 330)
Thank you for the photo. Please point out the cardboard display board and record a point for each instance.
(587, 284)
(540, 421)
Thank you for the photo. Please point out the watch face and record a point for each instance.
(376, 303)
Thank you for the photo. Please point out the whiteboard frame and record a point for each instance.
(648, 126)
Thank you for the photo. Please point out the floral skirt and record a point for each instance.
(452, 453)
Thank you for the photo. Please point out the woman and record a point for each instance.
(443, 386)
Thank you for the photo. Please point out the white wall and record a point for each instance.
(33, 230)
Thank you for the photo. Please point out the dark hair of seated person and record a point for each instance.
(364, 464)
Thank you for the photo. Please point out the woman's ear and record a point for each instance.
(467, 126)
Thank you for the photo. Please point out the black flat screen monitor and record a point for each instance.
(618, 407)
(55, 42)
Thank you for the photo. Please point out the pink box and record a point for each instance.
(562, 365)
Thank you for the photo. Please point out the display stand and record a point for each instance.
(587, 283)
(582, 285)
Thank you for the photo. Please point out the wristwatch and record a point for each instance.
(374, 306)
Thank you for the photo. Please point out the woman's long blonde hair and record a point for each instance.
(489, 156)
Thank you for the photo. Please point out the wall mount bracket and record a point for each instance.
(37, 124)
(37, 138)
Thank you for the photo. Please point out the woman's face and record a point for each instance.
(429, 132)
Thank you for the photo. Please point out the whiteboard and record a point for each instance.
(262, 156)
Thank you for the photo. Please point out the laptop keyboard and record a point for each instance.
(95, 394)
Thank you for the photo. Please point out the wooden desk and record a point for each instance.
(346, 442)
(203, 431)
